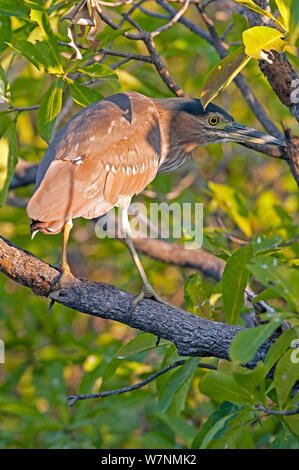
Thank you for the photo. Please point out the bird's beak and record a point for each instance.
(239, 133)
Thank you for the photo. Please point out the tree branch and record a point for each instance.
(280, 74)
(222, 49)
(192, 335)
(74, 398)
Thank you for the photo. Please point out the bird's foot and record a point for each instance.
(148, 292)
(66, 275)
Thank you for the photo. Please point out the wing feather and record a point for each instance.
(106, 152)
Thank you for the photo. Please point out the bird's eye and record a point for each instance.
(213, 120)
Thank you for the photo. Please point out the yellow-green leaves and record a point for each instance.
(82, 95)
(13, 8)
(234, 280)
(294, 21)
(8, 159)
(260, 39)
(233, 203)
(258, 42)
(49, 109)
(41, 17)
(97, 71)
(284, 10)
(37, 53)
(222, 74)
(253, 6)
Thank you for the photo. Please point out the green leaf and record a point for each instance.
(280, 346)
(178, 402)
(196, 296)
(293, 424)
(140, 343)
(285, 440)
(3, 86)
(8, 159)
(84, 96)
(108, 35)
(222, 387)
(49, 109)
(261, 38)
(234, 280)
(14, 8)
(176, 381)
(281, 278)
(253, 6)
(26, 49)
(232, 202)
(222, 74)
(247, 342)
(38, 54)
(217, 421)
(179, 426)
(263, 245)
(98, 71)
(41, 17)
(253, 381)
(286, 375)
(294, 21)
(5, 32)
(284, 9)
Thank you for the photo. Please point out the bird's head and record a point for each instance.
(195, 126)
(216, 125)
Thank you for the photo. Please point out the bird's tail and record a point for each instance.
(49, 228)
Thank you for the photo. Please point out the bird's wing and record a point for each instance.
(106, 152)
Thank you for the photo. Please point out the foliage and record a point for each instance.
(50, 355)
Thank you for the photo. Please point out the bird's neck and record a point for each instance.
(178, 141)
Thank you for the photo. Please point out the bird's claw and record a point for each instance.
(148, 293)
(66, 275)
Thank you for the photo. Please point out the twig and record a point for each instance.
(154, 14)
(174, 20)
(228, 235)
(74, 398)
(290, 242)
(130, 55)
(269, 411)
(292, 142)
(18, 109)
(185, 183)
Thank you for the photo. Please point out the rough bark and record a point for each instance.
(193, 336)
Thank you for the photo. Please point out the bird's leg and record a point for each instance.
(147, 289)
(63, 265)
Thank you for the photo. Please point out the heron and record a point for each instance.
(111, 150)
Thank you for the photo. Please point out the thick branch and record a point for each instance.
(280, 74)
(193, 336)
(292, 153)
